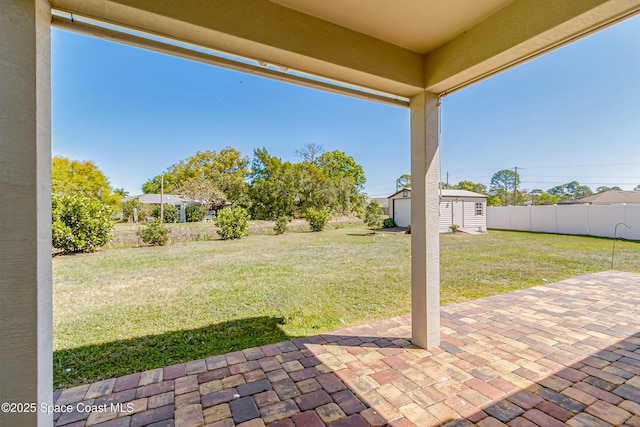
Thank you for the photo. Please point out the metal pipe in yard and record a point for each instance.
(615, 236)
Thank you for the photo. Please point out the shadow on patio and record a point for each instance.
(154, 351)
(566, 352)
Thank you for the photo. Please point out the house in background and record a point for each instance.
(613, 197)
(461, 207)
(167, 199)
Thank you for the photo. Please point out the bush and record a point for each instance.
(388, 223)
(281, 224)
(373, 215)
(154, 233)
(233, 222)
(454, 228)
(170, 214)
(194, 213)
(317, 218)
(79, 223)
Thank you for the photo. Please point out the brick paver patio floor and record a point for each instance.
(565, 353)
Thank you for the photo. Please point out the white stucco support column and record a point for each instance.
(26, 368)
(425, 210)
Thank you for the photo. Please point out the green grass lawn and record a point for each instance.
(126, 310)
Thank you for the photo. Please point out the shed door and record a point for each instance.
(458, 213)
(402, 212)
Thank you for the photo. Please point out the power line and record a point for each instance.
(561, 166)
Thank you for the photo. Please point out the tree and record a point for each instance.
(373, 215)
(472, 186)
(203, 192)
(225, 170)
(503, 183)
(314, 189)
(403, 182)
(281, 188)
(604, 188)
(348, 178)
(309, 152)
(571, 190)
(336, 164)
(80, 223)
(273, 187)
(73, 177)
(539, 197)
(494, 200)
(121, 192)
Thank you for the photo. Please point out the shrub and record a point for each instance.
(454, 227)
(409, 229)
(79, 223)
(170, 214)
(154, 233)
(317, 218)
(281, 224)
(373, 215)
(388, 223)
(194, 213)
(233, 222)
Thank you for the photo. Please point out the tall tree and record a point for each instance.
(309, 152)
(503, 183)
(73, 177)
(226, 170)
(273, 186)
(281, 188)
(348, 178)
(337, 164)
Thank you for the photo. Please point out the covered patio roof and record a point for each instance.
(408, 52)
(400, 49)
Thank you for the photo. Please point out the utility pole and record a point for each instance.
(161, 197)
(515, 187)
(447, 179)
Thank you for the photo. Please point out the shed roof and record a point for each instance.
(613, 197)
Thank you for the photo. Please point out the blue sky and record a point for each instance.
(573, 114)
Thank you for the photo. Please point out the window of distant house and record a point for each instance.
(478, 209)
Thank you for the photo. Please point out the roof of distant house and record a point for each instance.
(613, 197)
(448, 192)
(154, 199)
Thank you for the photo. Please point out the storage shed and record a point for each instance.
(464, 208)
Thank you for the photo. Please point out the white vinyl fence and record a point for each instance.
(591, 220)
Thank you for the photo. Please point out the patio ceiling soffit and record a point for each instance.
(345, 61)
